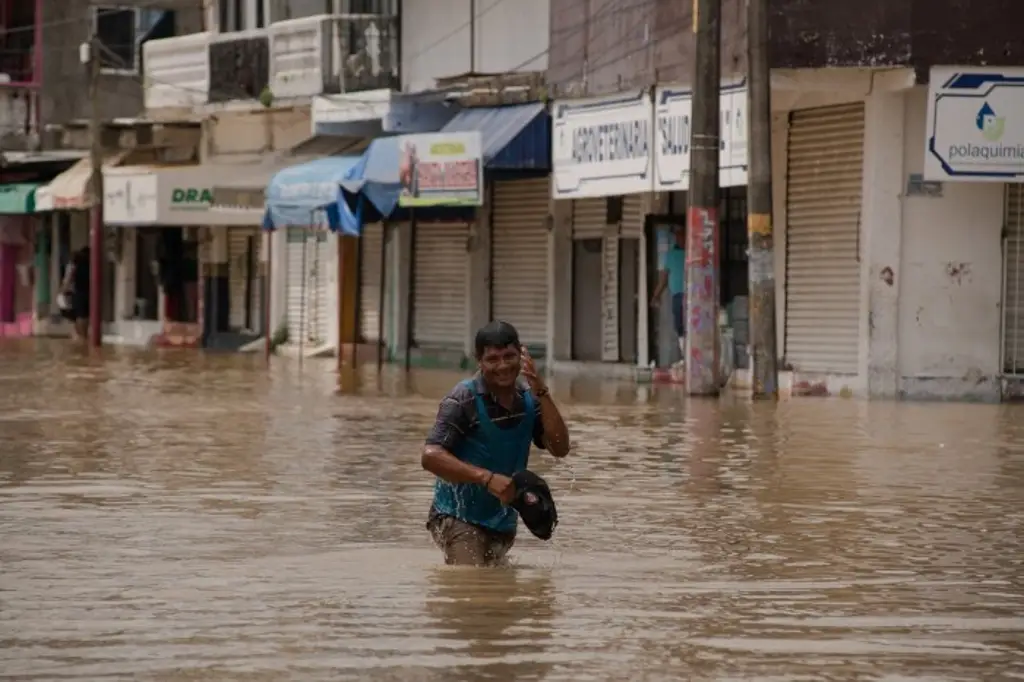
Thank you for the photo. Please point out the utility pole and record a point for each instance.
(759, 201)
(702, 373)
(90, 54)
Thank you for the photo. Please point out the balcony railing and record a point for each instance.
(298, 58)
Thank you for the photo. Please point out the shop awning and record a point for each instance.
(514, 137)
(18, 198)
(308, 195)
(70, 189)
(375, 175)
(246, 189)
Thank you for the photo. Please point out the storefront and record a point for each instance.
(18, 231)
(177, 274)
(304, 203)
(976, 148)
(458, 265)
(619, 159)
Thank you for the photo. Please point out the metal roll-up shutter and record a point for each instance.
(632, 216)
(296, 315)
(440, 297)
(239, 276)
(610, 297)
(823, 199)
(371, 241)
(589, 218)
(1013, 282)
(519, 257)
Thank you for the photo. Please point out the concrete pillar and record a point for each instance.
(881, 231)
(127, 275)
(399, 256)
(278, 280)
(559, 343)
(478, 292)
(780, 165)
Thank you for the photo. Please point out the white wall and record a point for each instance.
(436, 38)
(935, 332)
(949, 308)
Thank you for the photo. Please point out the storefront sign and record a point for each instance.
(672, 146)
(602, 146)
(975, 125)
(440, 169)
(129, 199)
(627, 144)
(181, 196)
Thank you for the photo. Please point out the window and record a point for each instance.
(242, 15)
(613, 209)
(122, 30)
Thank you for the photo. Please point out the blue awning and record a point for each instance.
(308, 195)
(375, 175)
(514, 137)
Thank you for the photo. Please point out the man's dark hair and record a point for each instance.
(495, 334)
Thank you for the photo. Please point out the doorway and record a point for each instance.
(586, 295)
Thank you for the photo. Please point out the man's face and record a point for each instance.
(500, 366)
(681, 238)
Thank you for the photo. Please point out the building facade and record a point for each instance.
(44, 100)
(896, 276)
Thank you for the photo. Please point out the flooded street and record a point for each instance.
(173, 516)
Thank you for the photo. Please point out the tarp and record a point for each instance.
(375, 175)
(309, 195)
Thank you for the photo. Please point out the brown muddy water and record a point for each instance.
(170, 516)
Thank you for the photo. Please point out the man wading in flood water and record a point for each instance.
(482, 436)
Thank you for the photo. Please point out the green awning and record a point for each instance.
(18, 198)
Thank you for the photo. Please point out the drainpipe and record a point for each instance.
(472, 36)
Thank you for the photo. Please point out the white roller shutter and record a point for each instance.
(296, 315)
(610, 296)
(633, 216)
(440, 298)
(519, 257)
(589, 218)
(371, 243)
(309, 287)
(1013, 282)
(826, 153)
(238, 276)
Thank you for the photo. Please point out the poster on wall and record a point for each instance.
(440, 169)
(975, 125)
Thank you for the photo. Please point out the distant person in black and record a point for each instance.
(76, 290)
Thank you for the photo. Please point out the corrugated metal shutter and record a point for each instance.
(238, 276)
(440, 298)
(519, 257)
(589, 218)
(296, 315)
(309, 286)
(371, 241)
(826, 154)
(1013, 282)
(610, 297)
(633, 216)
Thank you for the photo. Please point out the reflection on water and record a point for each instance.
(173, 516)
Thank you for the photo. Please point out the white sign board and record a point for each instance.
(174, 196)
(602, 146)
(975, 125)
(129, 199)
(607, 146)
(674, 114)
